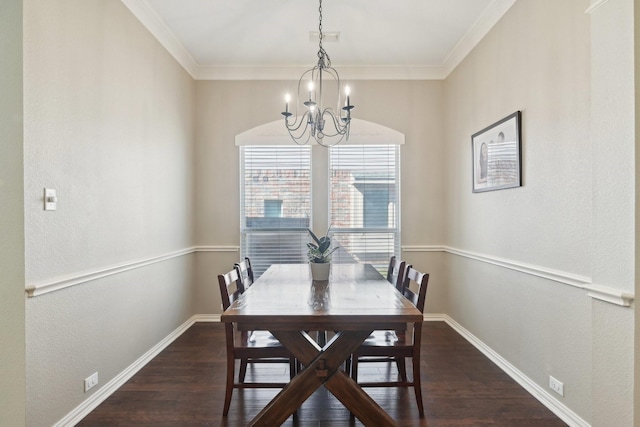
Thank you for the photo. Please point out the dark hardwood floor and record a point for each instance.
(184, 386)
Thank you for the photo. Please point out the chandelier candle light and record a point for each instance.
(323, 124)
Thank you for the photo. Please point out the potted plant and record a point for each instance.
(319, 254)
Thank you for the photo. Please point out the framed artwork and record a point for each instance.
(496, 155)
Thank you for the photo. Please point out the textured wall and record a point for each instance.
(536, 59)
(12, 317)
(109, 124)
(614, 194)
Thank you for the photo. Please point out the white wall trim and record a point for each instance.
(50, 285)
(611, 295)
(228, 72)
(217, 248)
(92, 402)
(534, 270)
(599, 292)
(362, 132)
(542, 395)
(595, 4)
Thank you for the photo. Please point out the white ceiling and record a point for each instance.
(269, 39)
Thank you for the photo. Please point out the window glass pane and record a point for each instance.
(275, 204)
(364, 203)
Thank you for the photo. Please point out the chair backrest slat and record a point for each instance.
(396, 273)
(230, 288)
(245, 273)
(421, 280)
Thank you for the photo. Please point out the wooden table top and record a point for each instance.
(356, 297)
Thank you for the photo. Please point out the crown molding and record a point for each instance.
(595, 4)
(156, 26)
(490, 17)
(374, 72)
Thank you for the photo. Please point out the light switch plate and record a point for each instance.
(50, 199)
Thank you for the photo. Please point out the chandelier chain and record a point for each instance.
(323, 57)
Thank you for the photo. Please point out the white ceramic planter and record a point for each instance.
(320, 271)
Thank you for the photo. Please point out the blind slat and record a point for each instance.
(365, 203)
(275, 204)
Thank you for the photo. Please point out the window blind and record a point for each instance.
(364, 203)
(275, 204)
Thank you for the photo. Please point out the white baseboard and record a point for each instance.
(544, 397)
(555, 406)
(92, 402)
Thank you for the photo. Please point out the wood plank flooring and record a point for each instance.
(184, 387)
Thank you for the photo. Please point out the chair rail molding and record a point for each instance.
(603, 293)
(50, 285)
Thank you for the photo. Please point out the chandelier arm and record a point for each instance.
(324, 144)
(293, 130)
(340, 128)
(298, 123)
(297, 139)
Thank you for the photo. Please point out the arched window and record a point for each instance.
(363, 206)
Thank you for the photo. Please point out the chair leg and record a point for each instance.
(354, 367)
(292, 367)
(243, 370)
(231, 367)
(402, 368)
(417, 386)
(347, 365)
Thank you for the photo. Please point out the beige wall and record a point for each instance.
(568, 72)
(118, 128)
(12, 311)
(636, 68)
(227, 108)
(109, 124)
(613, 199)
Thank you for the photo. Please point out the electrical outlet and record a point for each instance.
(556, 386)
(90, 382)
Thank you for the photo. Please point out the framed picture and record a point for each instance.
(496, 155)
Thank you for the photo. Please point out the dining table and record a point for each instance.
(355, 301)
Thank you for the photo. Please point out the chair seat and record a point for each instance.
(387, 339)
(259, 339)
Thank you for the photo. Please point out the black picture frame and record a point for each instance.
(497, 155)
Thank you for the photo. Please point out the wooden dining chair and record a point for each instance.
(395, 272)
(245, 272)
(396, 276)
(378, 346)
(247, 347)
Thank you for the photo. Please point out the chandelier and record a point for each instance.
(327, 126)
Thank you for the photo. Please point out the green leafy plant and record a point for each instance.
(320, 250)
